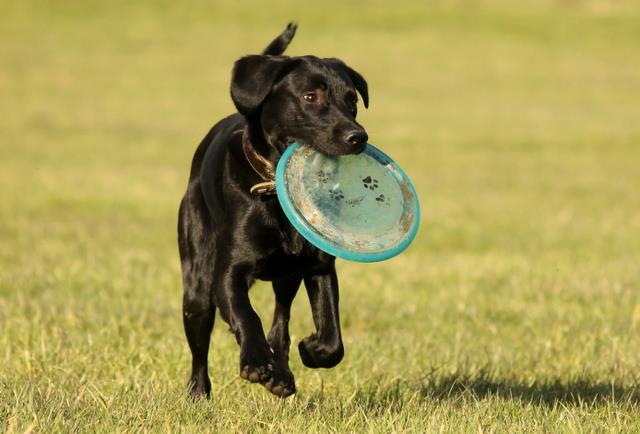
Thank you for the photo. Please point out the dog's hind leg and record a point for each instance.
(324, 348)
(282, 383)
(196, 255)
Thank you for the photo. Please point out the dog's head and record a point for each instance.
(305, 99)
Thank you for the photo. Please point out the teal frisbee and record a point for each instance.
(357, 207)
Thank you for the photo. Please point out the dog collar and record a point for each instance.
(261, 166)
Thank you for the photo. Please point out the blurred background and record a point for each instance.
(517, 304)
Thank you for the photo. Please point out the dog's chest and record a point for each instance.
(279, 264)
(293, 255)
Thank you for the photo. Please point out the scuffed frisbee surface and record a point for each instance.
(357, 207)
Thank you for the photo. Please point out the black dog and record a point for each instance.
(231, 229)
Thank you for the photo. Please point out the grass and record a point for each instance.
(516, 309)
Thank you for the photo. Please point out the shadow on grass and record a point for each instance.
(386, 394)
(483, 384)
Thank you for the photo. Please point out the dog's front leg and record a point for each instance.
(285, 289)
(323, 349)
(232, 299)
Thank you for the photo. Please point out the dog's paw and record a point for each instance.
(257, 366)
(282, 383)
(257, 374)
(199, 388)
(317, 354)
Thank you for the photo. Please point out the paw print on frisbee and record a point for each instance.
(336, 194)
(357, 207)
(322, 177)
(370, 183)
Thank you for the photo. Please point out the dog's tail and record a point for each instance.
(279, 44)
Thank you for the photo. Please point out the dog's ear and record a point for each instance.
(358, 81)
(252, 79)
(361, 85)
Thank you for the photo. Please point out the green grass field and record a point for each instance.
(516, 309)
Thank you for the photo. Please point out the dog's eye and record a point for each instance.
(310, 97)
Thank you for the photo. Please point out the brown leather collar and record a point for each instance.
(261, 166)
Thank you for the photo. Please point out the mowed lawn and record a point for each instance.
(516, 309)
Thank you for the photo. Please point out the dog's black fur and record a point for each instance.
(229, 237)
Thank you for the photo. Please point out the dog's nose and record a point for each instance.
(356, 138)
